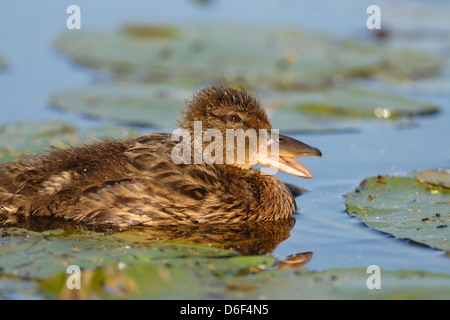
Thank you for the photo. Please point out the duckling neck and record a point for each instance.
(275, 197)
(267, 196)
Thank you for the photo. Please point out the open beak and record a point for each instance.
(280, 153)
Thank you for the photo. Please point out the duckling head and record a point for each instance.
(231, 127)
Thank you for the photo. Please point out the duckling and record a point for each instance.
(135, 182)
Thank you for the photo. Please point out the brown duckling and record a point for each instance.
(136, 182)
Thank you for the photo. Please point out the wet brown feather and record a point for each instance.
(135, 182)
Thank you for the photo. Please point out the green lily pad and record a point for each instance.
(282, 57)
(159, 105)
(340, 107)
(342, 283)
(355, 102)
(18, 139)
(440, 177)
(407, 64)
(3, 62)
(34, 264)
(138, 104)
(148, 282)
(44, 255)
(39, 255)
(156, 282)
(405, 208)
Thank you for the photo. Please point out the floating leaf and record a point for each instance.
(156, 282)
(440, 177)
(355, 102)
(157, 267)
(3, 62)
(148, 282)
(141, 104)
(404, 208)
(34, 265)
(348, 103)
(41, 255)
(19, 138)
(160, 105)
(282, 57)
(339, 284)
(407, 64)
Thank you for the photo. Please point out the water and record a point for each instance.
(36, 70)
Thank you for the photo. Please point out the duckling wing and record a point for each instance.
(123, 183)
(17, 181)
(158, 191)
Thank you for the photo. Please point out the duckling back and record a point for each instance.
(135, 182)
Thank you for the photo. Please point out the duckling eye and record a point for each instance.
(234, 118)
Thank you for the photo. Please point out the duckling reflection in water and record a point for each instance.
(135, 182)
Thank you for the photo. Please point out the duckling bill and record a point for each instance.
(136, 182)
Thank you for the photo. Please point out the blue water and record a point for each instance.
(36, 70)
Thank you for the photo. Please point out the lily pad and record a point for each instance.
(405, 208)
(342, 283)
(18, 139)
(3, 62)
(282, 57)
(171, 268)
(34, 264)
(148, 282)
(408, 64)
(137, 103)
(355, 102)
(440, 177)
(156, 282)
(339, 108)
(159, 105)
(39, 255)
